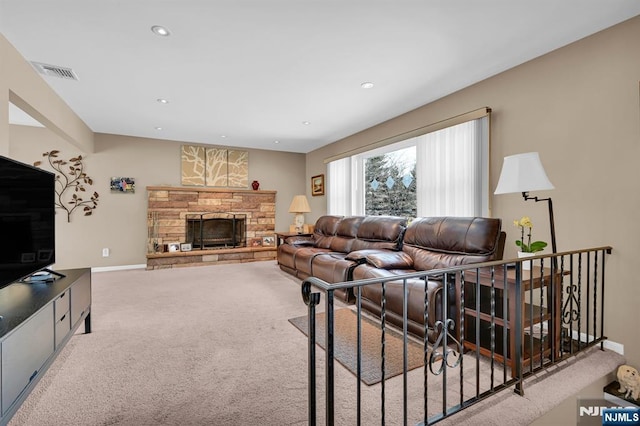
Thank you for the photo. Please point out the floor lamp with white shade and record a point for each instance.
(524, 173)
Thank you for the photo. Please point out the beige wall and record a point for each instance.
(579, 107)
(119, 222)
(20, 84)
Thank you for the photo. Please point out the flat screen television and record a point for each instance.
(27, 220)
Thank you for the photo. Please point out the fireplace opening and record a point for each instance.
(211, 230)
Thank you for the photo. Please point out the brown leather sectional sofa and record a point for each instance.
(357, 247)
(324, 254)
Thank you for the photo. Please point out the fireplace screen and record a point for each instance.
(216, 230)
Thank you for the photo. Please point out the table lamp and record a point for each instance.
(299, 206)
(524, 173)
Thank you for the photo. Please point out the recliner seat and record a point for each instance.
(429, 243)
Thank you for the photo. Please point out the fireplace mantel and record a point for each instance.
(168, 207)
(207, 189)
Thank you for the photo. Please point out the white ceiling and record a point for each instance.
(247, 73)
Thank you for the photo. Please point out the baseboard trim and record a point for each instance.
(607, 344)
(118, 268)
(614, 346)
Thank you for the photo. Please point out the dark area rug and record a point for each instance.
(345, 345)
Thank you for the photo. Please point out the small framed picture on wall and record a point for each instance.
(123, 185)
(317, 185)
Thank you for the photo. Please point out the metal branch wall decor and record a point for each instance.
(70, 184)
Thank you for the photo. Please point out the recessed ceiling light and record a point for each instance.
(223, 136)
(158, 128)
(306, 123)
(367, 85)
(162, 101)
(160, 30)
(276, 141)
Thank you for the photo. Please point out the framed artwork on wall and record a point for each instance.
(221, 167)
(317, 185)
(123, 185)
(192, 165)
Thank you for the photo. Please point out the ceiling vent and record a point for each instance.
(55, 71)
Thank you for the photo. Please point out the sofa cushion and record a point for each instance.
(390, 260)
(380, 232)
(303, 259)
(345, 234)
(325, 230)
(331, 267)
(440, 242)
(460, 235)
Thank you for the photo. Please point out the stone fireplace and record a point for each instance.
(217, 223)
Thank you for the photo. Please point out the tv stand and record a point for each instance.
(37, 322)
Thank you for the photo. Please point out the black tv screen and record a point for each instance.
(27, 220)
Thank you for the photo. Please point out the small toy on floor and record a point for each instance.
(629, 380)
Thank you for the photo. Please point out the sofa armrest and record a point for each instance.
(435, 292)
(301, 241)
(390, 260)
(360, 256)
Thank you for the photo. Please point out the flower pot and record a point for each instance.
(526, 264)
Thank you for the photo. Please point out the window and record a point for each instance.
(390, 183)
(439, 173)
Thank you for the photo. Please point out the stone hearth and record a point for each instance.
(168, 208)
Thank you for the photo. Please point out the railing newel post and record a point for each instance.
(405, 351)
(311, 300)
(329, 352)
(359, 357)
(602, 296)
(518, 336)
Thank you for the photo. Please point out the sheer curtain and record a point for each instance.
(339, 187)
(449, 171)
(452, 175)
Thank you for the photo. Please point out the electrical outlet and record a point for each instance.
(105, 252)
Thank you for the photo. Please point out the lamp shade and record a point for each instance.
(299, 205)
(522, 173)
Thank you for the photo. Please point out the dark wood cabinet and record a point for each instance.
(491, 299)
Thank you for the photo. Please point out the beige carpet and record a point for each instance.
(345, 345)
(213, 346)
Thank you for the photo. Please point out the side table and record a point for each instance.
(535, 314)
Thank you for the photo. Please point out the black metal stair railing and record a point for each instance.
(500, 323)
